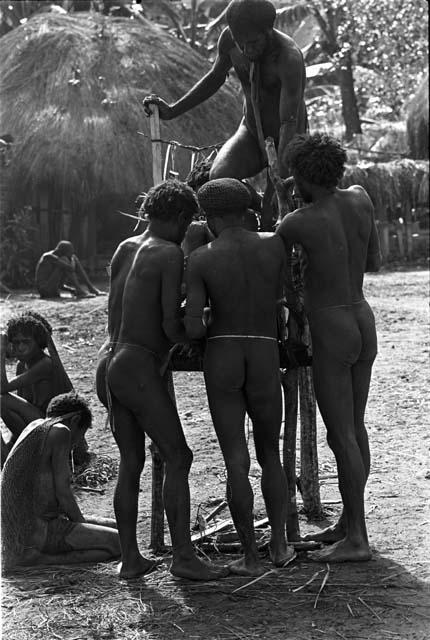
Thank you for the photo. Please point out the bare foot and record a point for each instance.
(331, 534)
(282, 554)
(195, 569)
(139, 566)
(342, 551)
(243, 567)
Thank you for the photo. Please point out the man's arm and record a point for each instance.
(196, 300)
(38, 372)
(59, 442)
(171, 280)
(290, 100)
(374, 258)
(204, 88)
(81, 273)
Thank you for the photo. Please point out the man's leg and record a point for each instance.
(334, 393)
(136, 382)
(225, 378)
(264, 405)
(240, 157)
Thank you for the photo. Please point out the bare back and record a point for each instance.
(338, 235)
(240, 273)
(144, 274)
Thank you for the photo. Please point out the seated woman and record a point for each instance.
(39, 375)
(41, 521)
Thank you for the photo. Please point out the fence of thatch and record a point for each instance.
(400, 194)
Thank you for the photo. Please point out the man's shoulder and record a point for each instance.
(288, 47)
(59, 434)
(358, 193)
(225, 42)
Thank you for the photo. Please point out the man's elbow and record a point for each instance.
(174, 331)
(194, 328)
(374, 262)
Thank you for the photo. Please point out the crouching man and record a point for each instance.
(41, 520)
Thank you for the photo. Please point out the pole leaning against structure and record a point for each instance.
(157, 506)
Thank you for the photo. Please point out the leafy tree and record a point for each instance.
(387, 37)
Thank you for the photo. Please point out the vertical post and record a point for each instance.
(289, 381)
(157, 156)
(309, 478)
(157, 508)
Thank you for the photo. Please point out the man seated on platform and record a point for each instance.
(337, 231)
(41, 522)
(240, 276)
(144, 320)
(61, 269)
(271, 70)
(39, 376)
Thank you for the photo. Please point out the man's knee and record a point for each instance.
(340, 441)
(178, 459)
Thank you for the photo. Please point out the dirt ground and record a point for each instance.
(387, 597)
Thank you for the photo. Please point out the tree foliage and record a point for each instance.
(386, 37)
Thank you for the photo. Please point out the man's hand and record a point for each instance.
(4, 343)
(164, 109)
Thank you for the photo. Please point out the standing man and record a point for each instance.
(143, 323)
(337, 231)
(240, 275)
(272, 73)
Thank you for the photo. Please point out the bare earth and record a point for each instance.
(386, 598)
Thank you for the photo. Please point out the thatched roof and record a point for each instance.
(418, 121)
(71, 95)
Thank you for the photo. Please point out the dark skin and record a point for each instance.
(90, 542)
(338, 234)
(282, 107)
(63, 269)
(149, 268)
(33, 381)
(242, 375)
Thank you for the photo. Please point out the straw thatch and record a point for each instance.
(418, 121)
(392, 186)
(72, 90)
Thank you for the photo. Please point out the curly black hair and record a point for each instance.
(319, 159)
(243, 15)
(30, 324)
(68, 403)
(168, 199)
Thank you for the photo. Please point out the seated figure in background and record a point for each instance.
(41, 521)
(61, 269)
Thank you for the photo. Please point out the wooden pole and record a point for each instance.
(308, 440)
(309, 479)
(289, 381)
(157, 507)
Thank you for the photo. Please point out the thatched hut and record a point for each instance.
(418, 121)
(71, 96)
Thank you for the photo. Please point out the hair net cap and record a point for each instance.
(223, 196)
